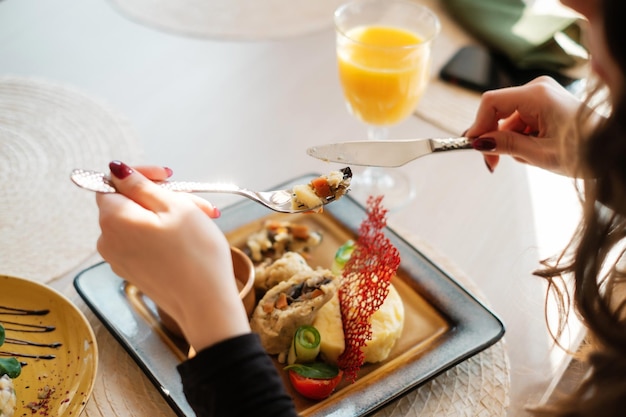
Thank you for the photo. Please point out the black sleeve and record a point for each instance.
(235, 378)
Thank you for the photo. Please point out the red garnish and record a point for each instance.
(365, 285)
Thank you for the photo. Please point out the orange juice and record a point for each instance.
(383, 71)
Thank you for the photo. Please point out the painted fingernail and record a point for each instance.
(168, 171)
(120, 169)
(216, 212)
(484, 144)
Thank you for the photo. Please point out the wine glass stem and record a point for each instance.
(376, 133)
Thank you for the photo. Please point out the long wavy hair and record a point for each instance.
(596, 251)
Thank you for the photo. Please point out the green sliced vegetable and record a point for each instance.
(342, 256)
(10, 367)
(305, 345)
(315, 370)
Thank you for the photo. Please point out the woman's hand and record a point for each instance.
(526, 122)
(166, 244)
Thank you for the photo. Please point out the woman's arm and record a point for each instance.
(166, 244)
(235, 378)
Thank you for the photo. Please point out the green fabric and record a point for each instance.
(526, 37)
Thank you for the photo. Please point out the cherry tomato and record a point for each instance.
(314, 388)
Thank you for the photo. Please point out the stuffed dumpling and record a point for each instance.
(291, 304)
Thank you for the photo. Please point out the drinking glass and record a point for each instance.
(383, 55)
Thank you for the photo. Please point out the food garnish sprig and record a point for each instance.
(365, 285)
(8, 366)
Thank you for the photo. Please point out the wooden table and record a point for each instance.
(246, 111)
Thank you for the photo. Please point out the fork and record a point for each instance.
(277, 200)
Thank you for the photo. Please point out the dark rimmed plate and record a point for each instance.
(444, 324)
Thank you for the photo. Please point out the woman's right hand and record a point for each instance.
(166, 244)
(527, 123)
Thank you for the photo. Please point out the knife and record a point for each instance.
(385, 153)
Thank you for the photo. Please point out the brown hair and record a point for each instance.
(593, 256)
(598, 295)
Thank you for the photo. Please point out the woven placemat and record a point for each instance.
(48, 226)
(477, 387)
(233, 19)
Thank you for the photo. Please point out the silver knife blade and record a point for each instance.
(385, 153)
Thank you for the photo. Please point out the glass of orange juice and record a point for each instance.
(383, 55)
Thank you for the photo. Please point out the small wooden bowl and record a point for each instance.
(244, 274)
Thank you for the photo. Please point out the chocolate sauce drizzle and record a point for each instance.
(22, 312)
(52, 345)
(26, 355)
(26, 328)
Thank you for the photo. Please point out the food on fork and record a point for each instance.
(289, 305)
(321, 190)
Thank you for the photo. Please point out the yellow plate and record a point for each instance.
(69, 376)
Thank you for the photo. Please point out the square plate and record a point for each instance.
(444, 324)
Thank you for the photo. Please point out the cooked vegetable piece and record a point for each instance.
(342, 255)
(305, 346)
(315, 381)
(304, 196)
(10, 367)
(300, 231)
(278, 237)
(321, 187)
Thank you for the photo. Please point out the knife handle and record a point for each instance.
(450, 144)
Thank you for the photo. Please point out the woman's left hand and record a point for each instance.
(527, 123)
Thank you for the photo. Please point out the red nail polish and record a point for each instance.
(216, 213)
(120, 169)
(169, 171)
(484, 144)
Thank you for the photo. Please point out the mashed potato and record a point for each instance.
(387, 324)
